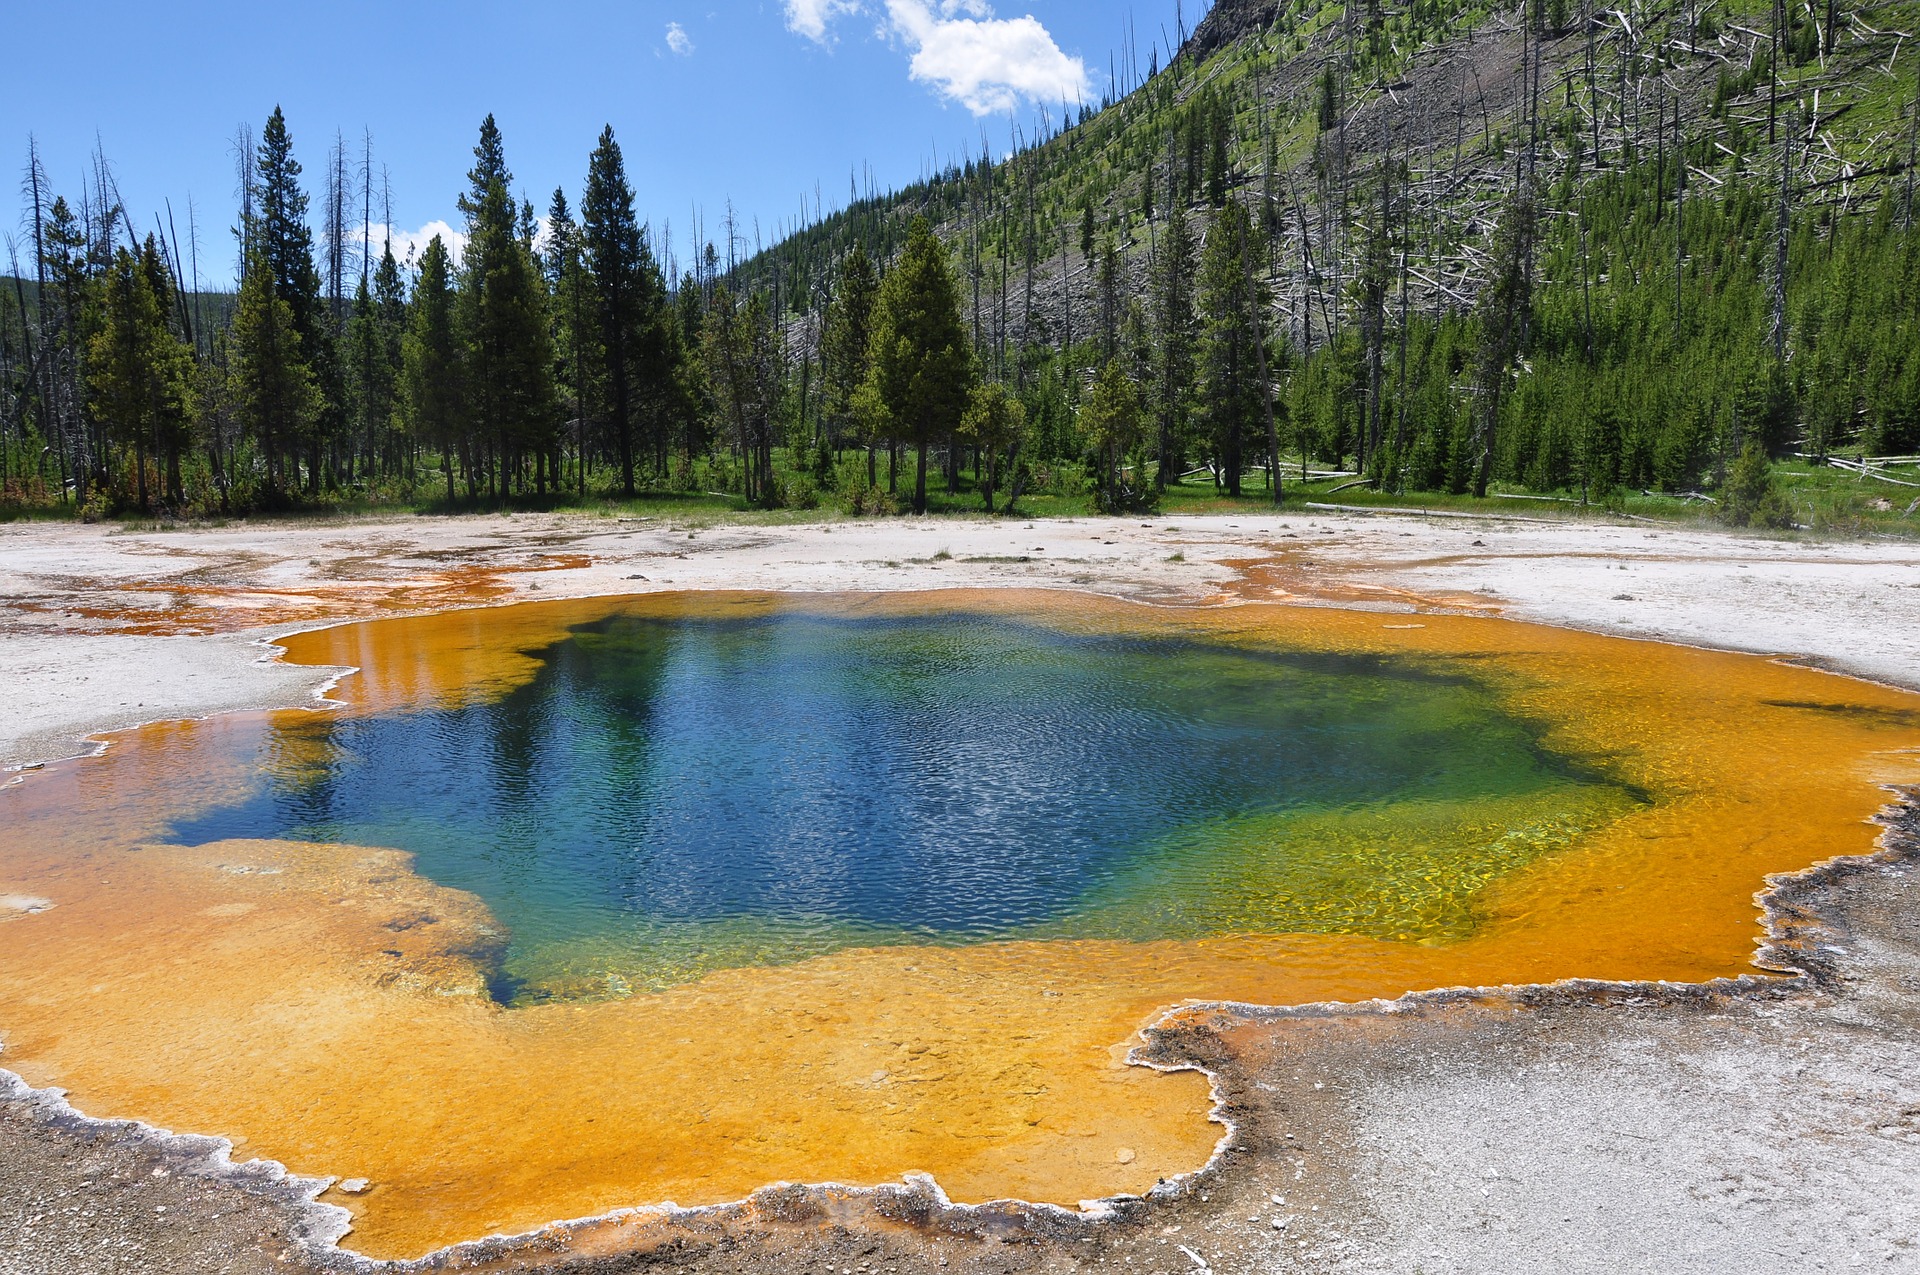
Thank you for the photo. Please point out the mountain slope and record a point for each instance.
(1379, 145)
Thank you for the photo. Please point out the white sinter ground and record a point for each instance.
(1776, 1132)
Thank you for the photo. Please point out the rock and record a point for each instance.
(1123, 1155)
(12, 905)
(352, 1186)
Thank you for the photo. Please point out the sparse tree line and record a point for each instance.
(558, 359)
(515, 370)
(544, 360)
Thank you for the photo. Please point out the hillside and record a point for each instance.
(1379, 144)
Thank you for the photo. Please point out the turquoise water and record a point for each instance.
(669, 796)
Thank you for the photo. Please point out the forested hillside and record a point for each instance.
(1568, 248)
(1554, 251)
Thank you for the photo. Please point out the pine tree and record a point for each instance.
(390, 312)
(63, 297)
(1115, 425)
(568, 286)
(844, 344)
(1230, 358)
(1110, 286)
(996, 423)
(1218, 120)
(614, 248)
(921, 369)
(276, 399)
(434, 401)
(745, 369)
(503, 322)
(1370, 298)
(1504, 310)
(1174, 334)
(1751, 498)
(139, 375)
(279, 234)
(373, 342)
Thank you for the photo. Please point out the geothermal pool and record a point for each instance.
(582, 905)
(672, 794)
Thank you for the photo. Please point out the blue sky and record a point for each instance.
(764, 103)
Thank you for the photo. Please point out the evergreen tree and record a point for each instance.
(1504, 310)
(432, 380)
(745, 370)
(844, 344)
(1751, 499)
(1230, 368)
(503, 324)
(1370, 300)
(1218, 119)
(139, 374)
(279, 234)
(1174, 336)
(390, 314)
(568, 285)
(275, 397)
(614, 250)
(1110, 284)
(688, 318)
(921, 367)
(1115, 425)
(373, 341)
(64, 313)
(1598, 447)
(996, 423)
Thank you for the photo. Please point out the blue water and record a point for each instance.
(670, 795)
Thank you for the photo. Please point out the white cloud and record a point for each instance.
(811, 18)
(678, 40)
(410, 245)
(986, 63)
(961, 50)
(542, 233)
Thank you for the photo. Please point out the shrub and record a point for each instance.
(795, 491)
(1751, 498)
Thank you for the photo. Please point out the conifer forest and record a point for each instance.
(1389, 249)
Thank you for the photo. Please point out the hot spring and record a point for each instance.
(581, 905)
(670, 795)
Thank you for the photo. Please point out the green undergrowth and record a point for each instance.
(1823, 499)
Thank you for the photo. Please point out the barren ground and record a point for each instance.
(1574, 1129)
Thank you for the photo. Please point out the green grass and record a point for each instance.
(1826, 501)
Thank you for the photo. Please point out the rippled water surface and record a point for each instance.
(671, 795)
